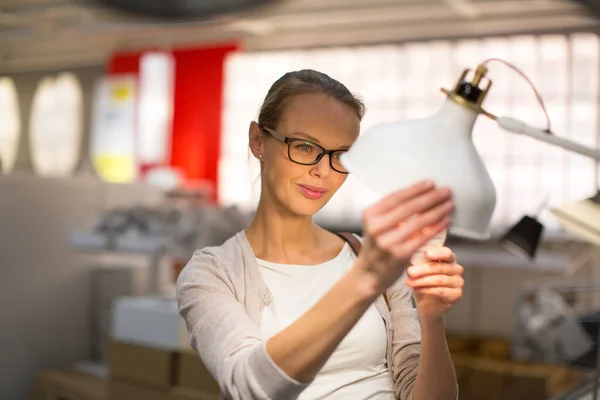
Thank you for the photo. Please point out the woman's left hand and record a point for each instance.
(437, 284)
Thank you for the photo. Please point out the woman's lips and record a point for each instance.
(312, 192)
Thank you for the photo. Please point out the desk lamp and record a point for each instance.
(390, 156)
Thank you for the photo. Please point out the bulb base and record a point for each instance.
(471, 93)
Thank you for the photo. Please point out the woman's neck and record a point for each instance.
(277, 235)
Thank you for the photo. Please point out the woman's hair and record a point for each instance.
(303, 82)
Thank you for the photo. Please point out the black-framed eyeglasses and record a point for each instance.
(305, 152)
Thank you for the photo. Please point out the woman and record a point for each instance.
(285, 309)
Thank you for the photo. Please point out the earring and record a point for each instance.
(260, 156)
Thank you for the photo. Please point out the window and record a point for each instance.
(10, 128)
(403, 81)
(56, 125)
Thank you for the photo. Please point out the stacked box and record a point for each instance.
(484, 370)
(140, 372)
(68, 385)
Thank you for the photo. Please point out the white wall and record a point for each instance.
(44, 285)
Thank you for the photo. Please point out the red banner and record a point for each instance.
(198, 104)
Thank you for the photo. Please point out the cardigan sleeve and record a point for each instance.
(225, 338)
(406, 339)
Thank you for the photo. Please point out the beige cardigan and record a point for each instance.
(221, 293)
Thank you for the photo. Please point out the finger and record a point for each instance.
(449, 295)
(421, 222)
(415, 230)
(443, 254)
(450, 281)
(418, 226)
(420, 204)
(400, 196)
(434, 268)
(409, 245)
(410, 211)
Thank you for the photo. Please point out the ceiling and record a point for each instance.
(44, 34)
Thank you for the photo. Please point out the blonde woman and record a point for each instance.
(286, 309)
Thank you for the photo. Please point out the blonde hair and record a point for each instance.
(303, 82)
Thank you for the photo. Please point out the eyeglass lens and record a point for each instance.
(307, 153)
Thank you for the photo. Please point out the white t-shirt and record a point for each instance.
(357, 369)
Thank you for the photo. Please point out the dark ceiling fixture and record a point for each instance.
(183, 9)
(593, 5)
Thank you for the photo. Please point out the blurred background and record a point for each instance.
(123, 148)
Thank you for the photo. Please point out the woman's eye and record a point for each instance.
(305, 147)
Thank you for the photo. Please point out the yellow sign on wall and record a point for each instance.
(113, 134)
(114, 168)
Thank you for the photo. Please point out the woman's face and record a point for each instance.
(304, 189)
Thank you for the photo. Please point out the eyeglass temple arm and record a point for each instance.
(273, 133)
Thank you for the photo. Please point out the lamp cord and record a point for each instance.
(537, 95)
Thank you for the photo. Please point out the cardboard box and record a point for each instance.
(68, 385)
(463, 367)
(485, 371)
(488, 380)
(492, 379)
(563, 379)
(495, 348)
(120, 390)
(192, 374)
(462, 344)
(187, 394)
(142, 365)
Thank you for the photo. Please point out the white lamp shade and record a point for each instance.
(391, 156)
(581, 218)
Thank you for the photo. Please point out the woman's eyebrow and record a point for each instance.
(305, 135)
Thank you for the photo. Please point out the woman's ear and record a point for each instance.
(255, 140)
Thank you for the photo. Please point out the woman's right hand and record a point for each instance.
(396, 226)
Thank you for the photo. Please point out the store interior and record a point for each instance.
(124, 148)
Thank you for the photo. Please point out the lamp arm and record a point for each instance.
(516, 126)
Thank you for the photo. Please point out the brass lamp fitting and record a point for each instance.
(471, 94)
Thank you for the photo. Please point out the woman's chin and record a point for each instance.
(307, 208)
